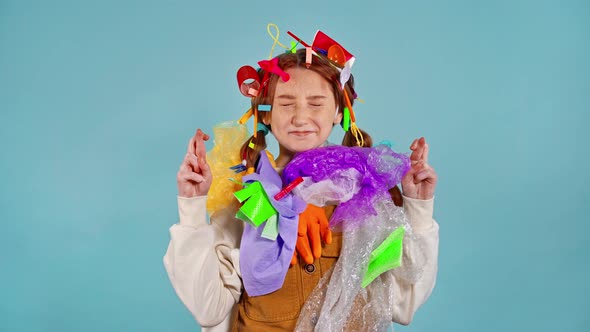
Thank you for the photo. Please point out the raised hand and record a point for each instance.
(420, 181)
(313, 229)
(194, 175)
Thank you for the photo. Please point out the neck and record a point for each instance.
(284, 157)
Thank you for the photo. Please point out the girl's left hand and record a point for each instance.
(420, 181)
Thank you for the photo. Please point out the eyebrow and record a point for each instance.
(291, 97)
(285, 97)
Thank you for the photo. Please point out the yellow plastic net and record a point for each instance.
(228, 137)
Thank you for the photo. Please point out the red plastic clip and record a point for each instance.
(285, 191)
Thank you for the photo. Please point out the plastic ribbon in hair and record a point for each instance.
(263, 128)
(272, 66)
(275, 38)
(248, 81)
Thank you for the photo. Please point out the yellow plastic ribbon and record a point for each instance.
(275, 38)
(246, 116)
(358, 135)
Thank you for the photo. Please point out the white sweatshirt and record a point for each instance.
(202, 262)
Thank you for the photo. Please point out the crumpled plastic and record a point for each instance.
(357, 179)
(339, 302)
(264, 262)
(377, 170)
(342, 186)
(228, 139)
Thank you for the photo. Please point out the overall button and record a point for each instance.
(309, 268)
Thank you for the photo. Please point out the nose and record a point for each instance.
(300, 117)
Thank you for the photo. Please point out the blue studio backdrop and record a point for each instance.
(99, 98)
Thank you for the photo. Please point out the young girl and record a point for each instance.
(233, 276)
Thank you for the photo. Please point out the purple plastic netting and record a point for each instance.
(380, 167)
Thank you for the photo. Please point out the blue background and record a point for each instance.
(98, 100)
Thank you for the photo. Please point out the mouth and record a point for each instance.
(301, 133)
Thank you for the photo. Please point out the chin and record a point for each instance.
(304, 147)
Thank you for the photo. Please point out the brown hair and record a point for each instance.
(320, 65)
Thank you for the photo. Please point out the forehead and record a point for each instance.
(303, 81)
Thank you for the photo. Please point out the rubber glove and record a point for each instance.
(313, 229)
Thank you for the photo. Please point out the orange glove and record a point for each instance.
(313, 226)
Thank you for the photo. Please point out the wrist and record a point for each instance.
(191, 210)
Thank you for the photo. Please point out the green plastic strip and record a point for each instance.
(386, 257)
(346, 119)
(271, 228)
(257, 207)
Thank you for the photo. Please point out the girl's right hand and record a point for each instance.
(194, 176)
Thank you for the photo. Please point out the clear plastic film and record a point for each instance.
(338, 302)
(343, 185)
(228, 138)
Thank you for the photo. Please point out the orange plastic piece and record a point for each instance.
(313, 229)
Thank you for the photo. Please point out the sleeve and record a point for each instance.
(414, 280)
(202, 260)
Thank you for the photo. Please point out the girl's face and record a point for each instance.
(303, 111)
